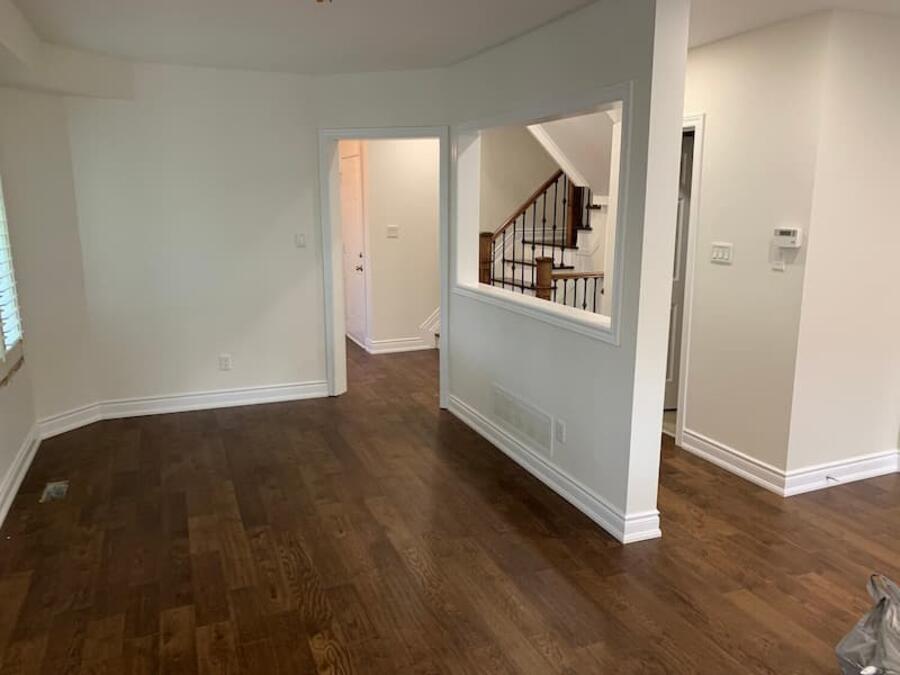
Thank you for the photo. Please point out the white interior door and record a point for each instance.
(353, 230)
(676, 319)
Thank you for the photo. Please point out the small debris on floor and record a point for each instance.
(55, 491)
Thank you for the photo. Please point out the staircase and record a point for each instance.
(535, 251)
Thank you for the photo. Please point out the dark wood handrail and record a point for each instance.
(528, 202)
(579, 275)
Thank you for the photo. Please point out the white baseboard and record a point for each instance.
(361, 345)
(412, 344)
(627, 529)
(807, 479)
(795, 481)
(749, 468)
(70, 420)
(431, 327)
(158, 405)
(9, 484)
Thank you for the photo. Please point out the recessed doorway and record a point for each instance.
(384, 225)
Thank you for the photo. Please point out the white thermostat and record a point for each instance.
(788, 237)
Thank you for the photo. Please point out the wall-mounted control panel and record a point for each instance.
(788, 237)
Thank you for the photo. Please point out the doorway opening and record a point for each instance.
(682, 275)
(384, 225)
(389, 196)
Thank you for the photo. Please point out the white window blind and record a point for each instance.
(10, 321)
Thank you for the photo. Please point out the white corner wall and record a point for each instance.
(401, 188)
(606, 466)
(761, 94)
(17, 439)
(40, 200)
(846, 401)
(189, 197)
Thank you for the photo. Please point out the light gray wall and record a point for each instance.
(761, 95)
(513, 166)
(600, 390)
(586, 141)
(189, 197)
(401, 188)
(40, 201)
(847, 382)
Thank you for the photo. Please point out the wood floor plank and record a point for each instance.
(373, 533)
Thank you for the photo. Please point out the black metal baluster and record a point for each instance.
(584, 295)
(493, 261)
(544, 225)
(522, 271)
(533, 244)
(594, 309)
(553, 233)
(514, 256)
(503, 258)
(565, 289)
(565, 200)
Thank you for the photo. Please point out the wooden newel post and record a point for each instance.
(544, 285)
(485, 245)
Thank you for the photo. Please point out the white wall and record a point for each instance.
(189, 197)
(599, 389)
(40, 202)
(761, 95)
(586, 142)
(17, 419)
(847, 385)
(401, 188)
(513, 166)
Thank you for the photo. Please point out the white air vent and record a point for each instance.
(531, 426)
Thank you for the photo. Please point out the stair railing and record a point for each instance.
(581, 290)
(518, 255)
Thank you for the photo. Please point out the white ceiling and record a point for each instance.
(291, 35)
(348, 35)
(716, 19)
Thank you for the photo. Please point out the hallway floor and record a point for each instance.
(374, 534)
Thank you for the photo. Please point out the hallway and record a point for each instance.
(372, 534)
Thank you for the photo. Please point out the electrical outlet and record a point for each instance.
(300, 240)
(225, 362)
(559, 431)
(393, 231)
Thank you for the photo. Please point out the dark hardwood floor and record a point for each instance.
(373, 534)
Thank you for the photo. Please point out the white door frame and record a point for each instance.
(693, 123)
(367, 271)
(333, 246)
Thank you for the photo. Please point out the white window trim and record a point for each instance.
(10, 358)
(605, 328)
(10, 362)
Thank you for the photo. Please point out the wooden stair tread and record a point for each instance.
(525, 263)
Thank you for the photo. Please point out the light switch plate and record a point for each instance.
(722, 252)
(393, 231)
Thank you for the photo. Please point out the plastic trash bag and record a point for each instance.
(873, 646)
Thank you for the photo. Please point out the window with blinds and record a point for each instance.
(10, 321)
